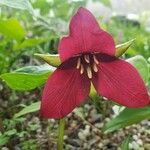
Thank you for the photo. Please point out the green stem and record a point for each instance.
(61, 134)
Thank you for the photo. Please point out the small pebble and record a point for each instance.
(4, 148)
(140, 142)
(135, 137)
(135, 145)
(81, 136)
(100, 145)
(86, 132)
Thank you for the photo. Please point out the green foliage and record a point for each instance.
(24, 33)
(36, 107)
(140, 63)
(29, 144)
(123, 30)
(125, 118)
(27, 78)
(125, 144)
(32, 42)
(28, 109)
(10, 130)
(3, 139)
(11, 28)
(106, 2)
(18, 4)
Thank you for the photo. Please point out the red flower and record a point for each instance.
(88, 55)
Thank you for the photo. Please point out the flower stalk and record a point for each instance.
(61, 128)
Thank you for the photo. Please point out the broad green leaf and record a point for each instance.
(125, 144)
(18, 4)
(3, 140)
(140, 63)
(121, 48)
(27, 78)
(11, 28)
(127, 117)
(28, 109)
(35, 69)
(53, 60)
(29, 43)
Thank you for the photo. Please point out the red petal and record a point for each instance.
(119, 81)
(64, 90)
(85, 36)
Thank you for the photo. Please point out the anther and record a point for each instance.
(78, 63)
(89, 72)
(95, 59)
(87, 58)
(95, 67)
(82, 69)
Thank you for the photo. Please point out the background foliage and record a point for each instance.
(36, 26)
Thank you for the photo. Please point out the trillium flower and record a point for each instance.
(88, 55)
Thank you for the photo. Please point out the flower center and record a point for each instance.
(87, 63)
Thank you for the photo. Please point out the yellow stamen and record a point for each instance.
(87, 58)
(95, 59)
(78, 63)
(82, 69)
(89, 72)
(95, 67)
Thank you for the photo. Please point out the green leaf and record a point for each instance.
(53, 60)
(27, 78)
(121, 48)
(11, 28)
(11, 132)
(125, 144)
(106, 2)
(18, 4)
(3, 140)
(36, 107)
(28, 109)
(140, 63)
(125, 118)
(79, 112)
(29, 43)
